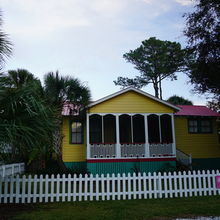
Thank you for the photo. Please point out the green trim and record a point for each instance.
(78, 167)
(206, 164)
(130, 167)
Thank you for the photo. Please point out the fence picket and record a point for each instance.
(58, 188)
(118, 186)
(170, 185)
(159, 189)
(150, 185)
(175, 184)
(204, 183)
(97, 187)
(145, 185)
(46, 189)
(6, 190)
(185, 189)
(80, 187)
(129, 185)
(123, 186)
(74, 187)
(23, 189)
(139, 186)
(155, 180)
(41, 188)
(165, 185)
(86, 188)
(134, 186)
(91, 187)
(52, 188)
(190, 182)
(108, 187)
(11, 189)
(35, 189)
(113, 186)
(29, 195)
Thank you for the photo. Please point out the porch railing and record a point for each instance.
(160, 150)
(100, 150)
(132, 150)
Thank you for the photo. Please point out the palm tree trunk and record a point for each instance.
(57, 140)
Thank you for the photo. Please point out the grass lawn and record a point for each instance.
(110, 210)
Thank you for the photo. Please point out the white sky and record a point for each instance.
(87, 39)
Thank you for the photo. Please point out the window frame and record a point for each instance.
(71, 132)
(199, 125)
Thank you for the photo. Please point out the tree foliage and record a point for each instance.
(178, 100)
(156, 60)
(26, 121)
(5, 45)
(203, 33)
(59, 90)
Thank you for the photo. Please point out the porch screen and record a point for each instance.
(125, 129)
(109, 129)
(95, 129)
(138, 129)
(153, 129)
(166, 129)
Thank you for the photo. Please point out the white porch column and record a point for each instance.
(147, 152)
(174, 138)
(118, 147)
(87, 137)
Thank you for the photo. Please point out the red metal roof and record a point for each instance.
(70, 109)
(196, 110)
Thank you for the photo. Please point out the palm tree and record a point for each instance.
(5, 45)
(58, 91)
(26, 121)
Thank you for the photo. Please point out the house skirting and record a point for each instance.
(102, 166)
(206, 163)
(77, 167)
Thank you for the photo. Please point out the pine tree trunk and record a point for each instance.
(160, 89)
(156, 89)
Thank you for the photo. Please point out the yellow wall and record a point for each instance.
(72, 152)
(198, 145)
(130, 102)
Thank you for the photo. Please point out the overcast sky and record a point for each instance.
(87, 38)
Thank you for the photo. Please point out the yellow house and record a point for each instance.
(196, 129)
(128, 131)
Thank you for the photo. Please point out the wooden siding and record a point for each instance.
(130, 102)
(198, 145)
(72, 152)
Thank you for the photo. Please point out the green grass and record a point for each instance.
(110, 210)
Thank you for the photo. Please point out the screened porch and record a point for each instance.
(130, 136)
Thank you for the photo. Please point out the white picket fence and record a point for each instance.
(11, 169)
(64, 188)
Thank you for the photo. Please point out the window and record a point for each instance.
(199, 125)
(76, 132)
